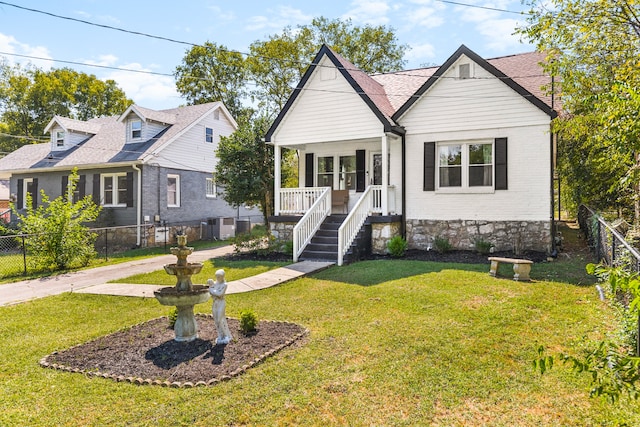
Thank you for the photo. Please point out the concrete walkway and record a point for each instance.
(95, 280)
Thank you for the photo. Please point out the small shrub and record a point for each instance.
(248, 321)
(173, 316)
(442, 244)
(288, 247)
(482, 246)
(397, 246)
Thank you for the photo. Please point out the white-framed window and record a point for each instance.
(347, 173)
(173, 190)
(465, 165)
(136, 129)
(325, 171)
(27, 187)
(59, 138)
(113, 189)
(212, 191)
(208, 135)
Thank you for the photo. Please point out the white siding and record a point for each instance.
(328, 109)
(191, 151)
(528, 194)
(482, 102)
(481, 108)
(71, 139)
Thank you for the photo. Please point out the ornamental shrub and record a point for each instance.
(397, 246)
(57, 235)
(248, 321)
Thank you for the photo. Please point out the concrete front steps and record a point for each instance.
(324, 244)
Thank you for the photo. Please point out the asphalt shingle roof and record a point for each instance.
(108, 144)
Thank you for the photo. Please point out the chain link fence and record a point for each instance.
(16, 261)
(610, 248)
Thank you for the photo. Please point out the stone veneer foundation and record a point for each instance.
(514, 236)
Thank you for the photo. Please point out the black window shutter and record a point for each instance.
(96, 188)
(129, 189)
(64, 185)
(20, 200)
(34, 195)
(308, 170)
(82, 183)
(429, 183)
(501, 163)
(361, 182)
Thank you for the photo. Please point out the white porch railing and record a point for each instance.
(299, 200)
(376, 202)
(370, 201)
(311, 221)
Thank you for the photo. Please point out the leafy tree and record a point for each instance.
(30, 97)
(58, 237)
(211, 73)
(245, 166)
(277, 64)
(593, 48)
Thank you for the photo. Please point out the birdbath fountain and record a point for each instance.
(184, 295)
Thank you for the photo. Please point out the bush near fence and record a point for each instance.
(14, 260)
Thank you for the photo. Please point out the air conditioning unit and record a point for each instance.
(222, 228)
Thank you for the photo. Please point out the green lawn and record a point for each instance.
(12, 266)
(393, 343)
(234, 270)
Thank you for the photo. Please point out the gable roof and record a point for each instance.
(389, 95)
(512, 64)
(370, 91)
(72, 125)
(108, 146)
(147, 114)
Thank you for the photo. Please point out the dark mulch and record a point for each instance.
(148, 353)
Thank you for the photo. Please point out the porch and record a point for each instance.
(311, 211)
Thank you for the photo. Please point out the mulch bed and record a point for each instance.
(148, 354)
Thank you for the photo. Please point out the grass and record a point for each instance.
(12, 266)
(399, 343)
(234, 270)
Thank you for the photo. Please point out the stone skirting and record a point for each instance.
(514, 236)
(383, 229)
(281, 227)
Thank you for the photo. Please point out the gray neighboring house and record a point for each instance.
(145, 166)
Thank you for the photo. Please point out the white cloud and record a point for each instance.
(147, 90)
(369, 12)
(496, 29)
(277, 19)
(420, 54)
(222, 15)
(424, 17)
(10, 45)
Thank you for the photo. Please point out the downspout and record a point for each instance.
(554, 250)
(139, 206)
(403, 224)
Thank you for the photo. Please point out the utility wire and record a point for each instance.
(495, 9)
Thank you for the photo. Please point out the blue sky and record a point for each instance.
(433, 29)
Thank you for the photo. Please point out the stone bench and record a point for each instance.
(521, 267)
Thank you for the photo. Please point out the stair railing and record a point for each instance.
(356, 218)
(310, 223)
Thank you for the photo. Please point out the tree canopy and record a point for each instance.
(274, 66)
(594, 49)
(30, 97)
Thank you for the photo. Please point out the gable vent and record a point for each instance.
(464, 71)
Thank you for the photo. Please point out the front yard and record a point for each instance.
(390, 343)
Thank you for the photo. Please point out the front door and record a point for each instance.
(376, 166)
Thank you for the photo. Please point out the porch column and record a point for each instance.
(385, 175)
(276, 177)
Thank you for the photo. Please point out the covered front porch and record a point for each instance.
(348, 178)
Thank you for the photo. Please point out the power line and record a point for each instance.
(476, 6)
(87, 65)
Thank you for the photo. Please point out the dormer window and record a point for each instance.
(59, 138)
(136, 129)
